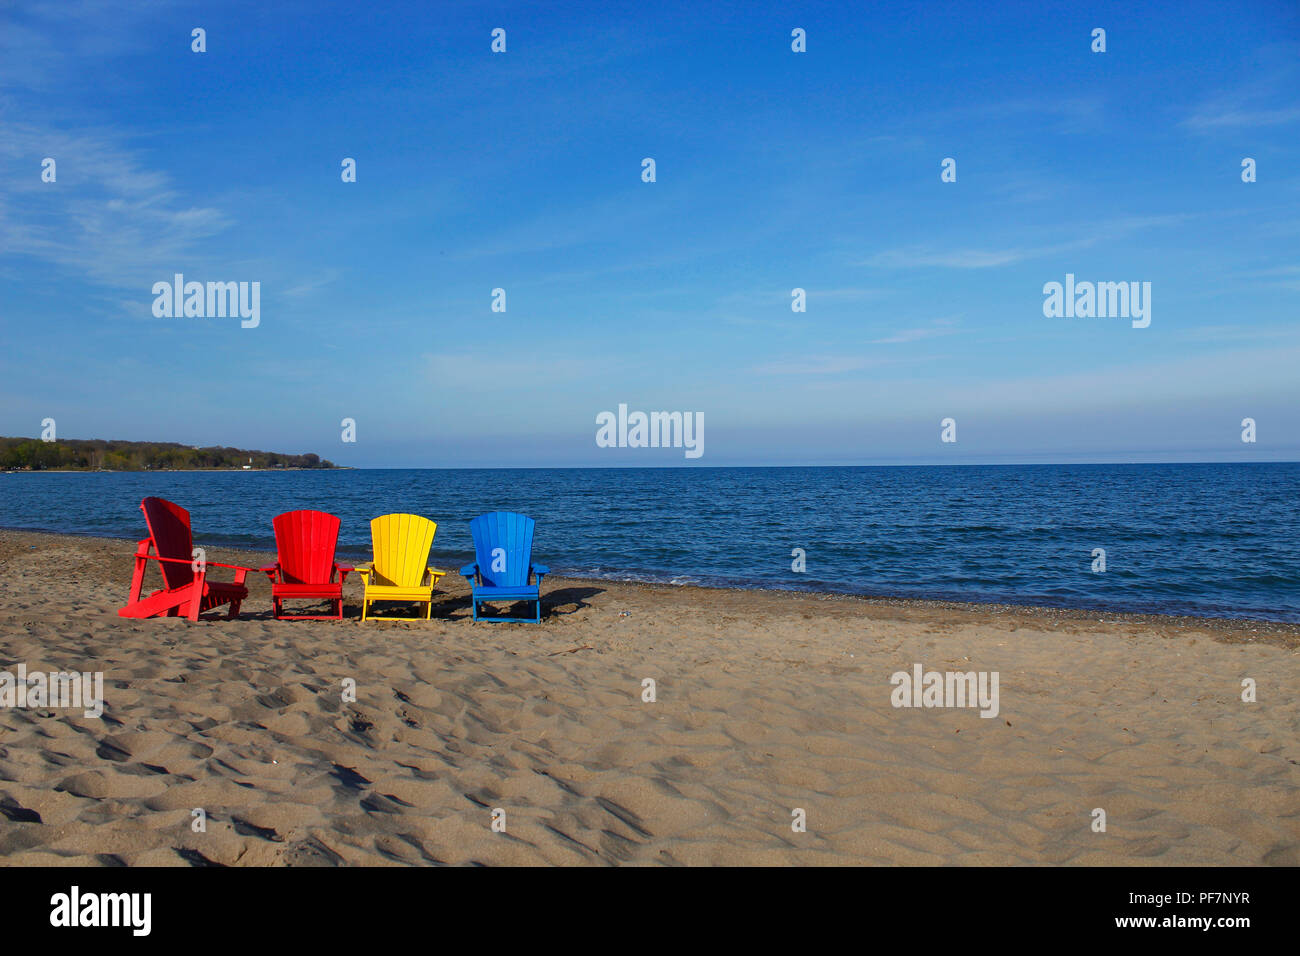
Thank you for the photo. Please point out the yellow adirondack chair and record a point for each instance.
(400, 570)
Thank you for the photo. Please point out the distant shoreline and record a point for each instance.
(47, 453)
(693, 467)
(152, 471)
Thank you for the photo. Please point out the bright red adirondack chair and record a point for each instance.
(185, 590)
(306, 569)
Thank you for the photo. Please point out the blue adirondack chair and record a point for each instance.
(503, 547)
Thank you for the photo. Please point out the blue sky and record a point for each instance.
(775, 170)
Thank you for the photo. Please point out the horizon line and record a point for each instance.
(964, 464)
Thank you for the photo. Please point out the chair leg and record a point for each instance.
(137, 581)
(364, 602)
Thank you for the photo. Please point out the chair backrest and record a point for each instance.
(503, 547)
(306, 541)
(401, 544)
(169, 527)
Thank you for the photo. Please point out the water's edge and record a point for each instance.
(1067, 611)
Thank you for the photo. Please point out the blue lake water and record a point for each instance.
(1189, 539)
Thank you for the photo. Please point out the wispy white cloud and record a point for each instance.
(313, 284)
(112, 216)
(108, 216)
(1229, 117)
(844, 295)
(748, 321)
(914, 257)
(1063, 114)
(41, 44)
(1264, 97)
(468, 370)
(774, 296)
(935, 329)
(1244, 332)
(818, 365)
(1281, 277)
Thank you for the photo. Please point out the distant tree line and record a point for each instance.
(95, 454)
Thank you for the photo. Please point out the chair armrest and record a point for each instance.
(343, 571)
(240, 570)
(540, 569)
(470, 571)
(271, 571)
(433, 574)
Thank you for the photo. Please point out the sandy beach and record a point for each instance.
(766, 703)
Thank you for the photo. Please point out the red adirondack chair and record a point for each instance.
(185, 590)
(306, 569)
